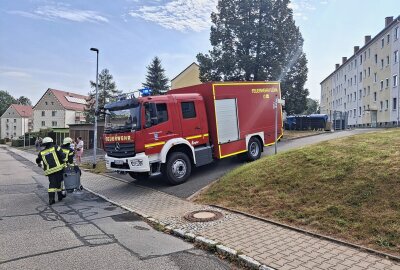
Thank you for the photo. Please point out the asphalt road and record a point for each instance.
(81, 232)
(205, 175)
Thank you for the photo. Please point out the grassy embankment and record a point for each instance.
(348, 188)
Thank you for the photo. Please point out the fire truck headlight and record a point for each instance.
(137, 162)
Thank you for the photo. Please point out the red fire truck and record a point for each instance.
(190, 126)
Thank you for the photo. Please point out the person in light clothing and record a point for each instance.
(79, 150)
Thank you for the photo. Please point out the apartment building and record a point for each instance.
(58, 109)
(16, 121)
(365, 87)
(189, 76)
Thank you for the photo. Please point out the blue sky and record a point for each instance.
(45, 44)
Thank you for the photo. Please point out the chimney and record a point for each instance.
(388, 20)
(344, 59)
(367, 39)
(337, 66)
(356, 48)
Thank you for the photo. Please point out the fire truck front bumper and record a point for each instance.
(139, 163)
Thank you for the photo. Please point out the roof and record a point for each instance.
(23, 110)
(396, 20)
(194, 63)
(70, 101)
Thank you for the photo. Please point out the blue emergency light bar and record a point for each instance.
(145, 92)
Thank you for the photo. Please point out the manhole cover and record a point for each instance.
(203, 216)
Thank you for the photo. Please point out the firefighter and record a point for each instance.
(52, 158)
(68, 151)
(69, 158)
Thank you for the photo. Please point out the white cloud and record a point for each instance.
(63, 13)
(15, 74)
(181, 15)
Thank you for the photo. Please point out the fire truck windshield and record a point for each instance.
(122, 120)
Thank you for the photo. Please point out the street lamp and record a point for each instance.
(96, 108)
(23, 124)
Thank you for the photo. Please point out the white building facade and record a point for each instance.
(365, 88)
(16, 121)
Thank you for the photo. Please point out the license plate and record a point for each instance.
(118, 162)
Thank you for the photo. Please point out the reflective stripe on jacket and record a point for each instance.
(51, 162)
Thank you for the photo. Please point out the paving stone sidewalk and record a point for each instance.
(269, 244)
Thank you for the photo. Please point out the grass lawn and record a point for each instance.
(347, 188)
(100, 167)
(295, 134)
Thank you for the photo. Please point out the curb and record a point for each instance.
(204, 243)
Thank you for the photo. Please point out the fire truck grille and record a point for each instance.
(120, 150)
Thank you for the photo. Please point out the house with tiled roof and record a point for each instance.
(189, 76)
(58, 109)
(16, 121)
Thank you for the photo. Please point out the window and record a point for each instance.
(375, 77)
(15, 127)
(8, 120)
(381, 105)
(394, 80)
(359, 111)
(361, 57)
(15, 120)
(355, 96)
(53, 123)
(369, 72)
(345, 105)
(360, 78)
(363, 110)
(369, 90)
(376, 59)
(52, 103)
(43, 123)
(350, 113)
(387, 104)
(396, 56)
(387, 82)
(188, 110)
(388, 39)
(45, 103)
(381, 85)
(162, 113)
(394, 104)
(387, 60)
(360, 94)
(374, 96)
(53, 113)
(354, 113)
(43, 113)
(396, 33)
(382, 63)
(365, 92)
(382, 42)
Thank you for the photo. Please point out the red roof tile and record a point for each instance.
(23, 110)
(67, 104)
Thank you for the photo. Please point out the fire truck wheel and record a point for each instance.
(254, 149)
(178, 168)
(139, 176)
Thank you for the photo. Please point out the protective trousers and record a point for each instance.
(55, 186)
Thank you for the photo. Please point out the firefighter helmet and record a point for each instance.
(67, 140)
(47, 140)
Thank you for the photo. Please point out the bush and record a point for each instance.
(2, 141)
(17, 143)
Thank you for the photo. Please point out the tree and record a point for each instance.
(257, 40)
(107, 89)
(22, 100)
(155, 78)
(5, 101)
(312, 106)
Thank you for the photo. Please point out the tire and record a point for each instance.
(253, 149)
(178, 168)
(139, 176)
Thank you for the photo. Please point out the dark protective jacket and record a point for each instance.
(69, 154)
(52, 158)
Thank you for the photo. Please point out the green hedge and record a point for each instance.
(17, 143)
